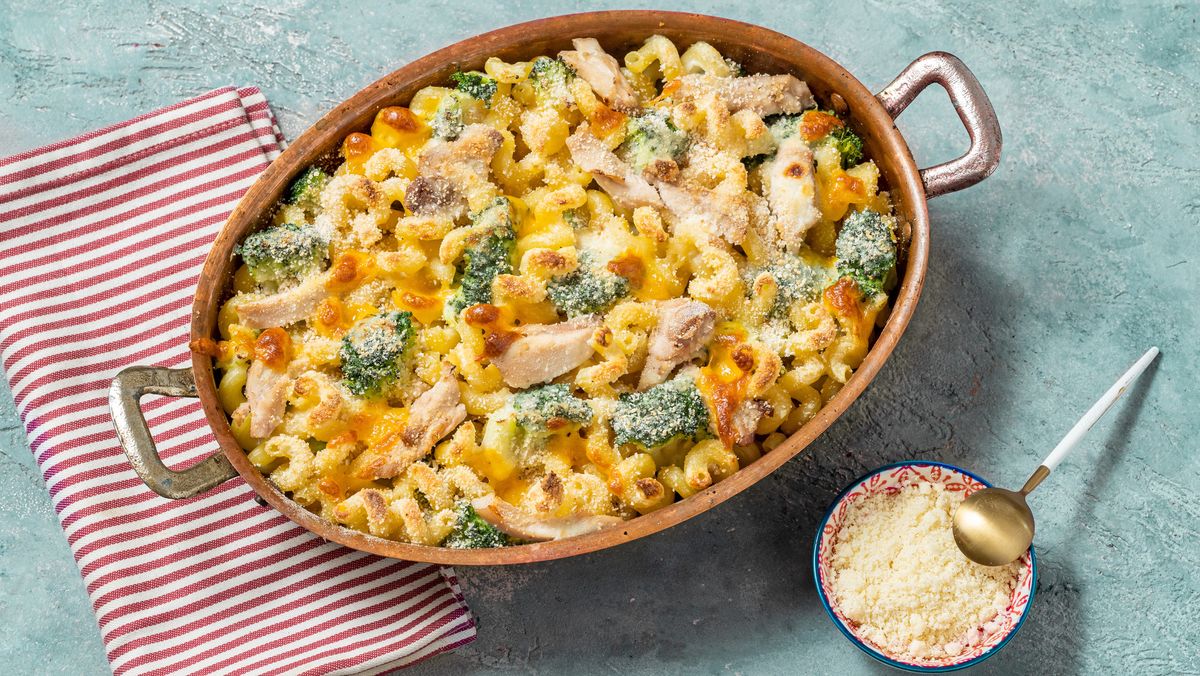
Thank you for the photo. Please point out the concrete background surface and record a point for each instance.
(1045, 282)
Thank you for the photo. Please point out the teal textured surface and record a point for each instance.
(1045, 282)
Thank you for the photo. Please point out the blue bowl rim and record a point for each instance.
(868, 649)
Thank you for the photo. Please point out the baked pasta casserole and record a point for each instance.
(555, 294)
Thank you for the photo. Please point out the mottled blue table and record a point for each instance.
(1044, 282)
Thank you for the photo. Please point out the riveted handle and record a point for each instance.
(973, 107)
(124, 402)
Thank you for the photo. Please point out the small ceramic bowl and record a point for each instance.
(890, 479)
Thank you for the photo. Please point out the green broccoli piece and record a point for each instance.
(550, 408)
(283, 253)
(795, 279)
(305, 191)
(848, 145)
(866, 250)
(374, 351)
(447, 122)
(650, 137)
(476, 85)
(550, 78)
(735, 69)
(576, 218)
(490, 257)
(783, 126)
(665, 412)
(587, 289)
(472, 532)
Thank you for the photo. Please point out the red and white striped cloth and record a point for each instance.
(103, 238)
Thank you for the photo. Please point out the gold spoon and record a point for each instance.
(994, 526)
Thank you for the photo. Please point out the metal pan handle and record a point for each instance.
(973, 107)
(124, 402)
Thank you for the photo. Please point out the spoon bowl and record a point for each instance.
(993, 526)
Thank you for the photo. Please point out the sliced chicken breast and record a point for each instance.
(285, 307)
(436, 413)
(761, 94)
(602, 72)
(723, 216)
(792, 191)
(543, 352)
(618, 179)
(684, 327)
(745, 420)
(526, 526)
(266, 395)
(470, 153)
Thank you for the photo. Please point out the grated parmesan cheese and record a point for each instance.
(898, 576)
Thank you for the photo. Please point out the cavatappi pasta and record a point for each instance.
(555, 294)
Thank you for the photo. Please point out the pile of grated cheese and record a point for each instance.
(897, 574)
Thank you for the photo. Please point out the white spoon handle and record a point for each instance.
(1098, 409)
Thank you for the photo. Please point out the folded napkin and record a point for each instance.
(103, 239)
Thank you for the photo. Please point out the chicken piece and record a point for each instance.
(723, 215)
(526, 526)
(618, 179)
(436, 413)
(471, 153)
(761, 94)
(684, 326)
(745, 420)
(602, 72)
(266, 395)
(285, 307)
(433, 195)
(542, 352)
(792, 191)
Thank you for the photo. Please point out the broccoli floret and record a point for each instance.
(587, 289)
(490, 257)
(305, 191)
(735, 69)
(550, 78)
(795, 279)
(652, 136)
(284, 252)
(447, 122)
(576, 218)
(472, 532)
(374, 352)
(783, 126)
(550, 408)
(662, 413)
(476, 85)
(848, 145)
(866, 250)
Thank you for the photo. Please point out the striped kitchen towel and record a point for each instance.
(103, 238)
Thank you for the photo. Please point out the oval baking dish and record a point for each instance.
(760, 50)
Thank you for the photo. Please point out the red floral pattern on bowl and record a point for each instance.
(891, 479)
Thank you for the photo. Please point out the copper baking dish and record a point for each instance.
(760, 50)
